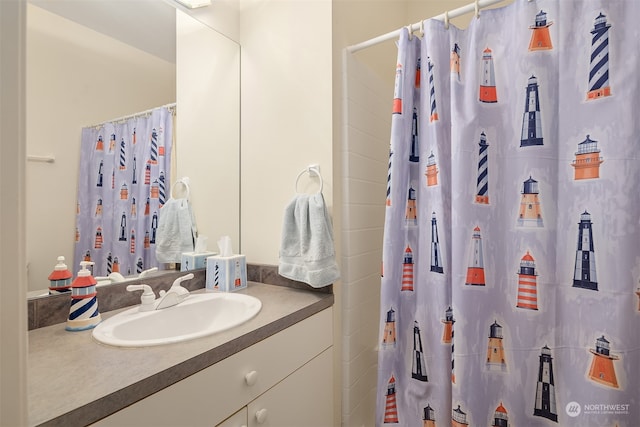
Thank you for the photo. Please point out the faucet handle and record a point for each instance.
(147, 299)
(176, 283)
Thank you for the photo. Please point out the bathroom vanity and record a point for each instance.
(274, 370)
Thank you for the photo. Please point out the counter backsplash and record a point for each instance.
(53, 309)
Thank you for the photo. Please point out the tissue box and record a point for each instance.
(226, 274)
(194, 260)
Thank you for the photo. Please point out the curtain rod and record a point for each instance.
(171, 107)
(463, 10)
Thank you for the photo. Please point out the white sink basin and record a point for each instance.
(197, 316)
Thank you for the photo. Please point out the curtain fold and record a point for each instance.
(511, 256)
(124, 180)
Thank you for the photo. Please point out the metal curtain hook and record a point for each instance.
(477, 6)
(446, 19)
(421, 28)
(410, 31)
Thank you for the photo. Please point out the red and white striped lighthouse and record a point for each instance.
(407, 270)
(391, 407)
(527, 286)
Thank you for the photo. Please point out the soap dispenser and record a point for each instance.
(60, 278)
(83, 313)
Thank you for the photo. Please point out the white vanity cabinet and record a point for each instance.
(283, 380)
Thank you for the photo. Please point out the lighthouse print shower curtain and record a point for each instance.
(511, 257)
(123, 184)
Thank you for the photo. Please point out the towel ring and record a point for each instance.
(309, 170)
(183, 193)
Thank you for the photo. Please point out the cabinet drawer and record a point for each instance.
(210, 396)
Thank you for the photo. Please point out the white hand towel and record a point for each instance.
(307, 253)
(176, 231)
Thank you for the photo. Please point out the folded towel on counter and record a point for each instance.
(307, 252)
(177, 229)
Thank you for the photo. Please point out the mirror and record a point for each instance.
(89, 62)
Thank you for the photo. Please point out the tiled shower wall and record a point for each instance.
(365, 155)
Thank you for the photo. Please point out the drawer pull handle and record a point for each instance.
(251, 377)
(261, 416)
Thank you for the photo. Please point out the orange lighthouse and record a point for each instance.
(530, 214)
(602, 370)
(454, 60)
(429, 417)
(389, 338)
(527, 286)
(475, 271)
(495, 350)
(411, 215)
(448, 321)
(588, 160)
(458, 418)
(540, 38)
(432, 171)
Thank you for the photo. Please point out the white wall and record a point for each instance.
(75, 77)
(366, 154)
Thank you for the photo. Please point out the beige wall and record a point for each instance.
(286, 113)
(13, 310)
(208, 127)
(75, 77)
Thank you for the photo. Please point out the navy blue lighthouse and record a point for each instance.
(545, 405)
(599, 63)
(532, 120)
(414, 156)
(584, 275)
(418, 369)
(436, 255)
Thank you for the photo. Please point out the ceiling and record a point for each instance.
(148, 25)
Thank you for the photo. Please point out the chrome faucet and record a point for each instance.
(174, 296)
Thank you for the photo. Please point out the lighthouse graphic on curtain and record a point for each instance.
(532, 119)
(599, 59)
(584, 275)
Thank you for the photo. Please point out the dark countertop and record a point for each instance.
(74, 380)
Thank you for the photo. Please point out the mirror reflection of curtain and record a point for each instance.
(123, 182)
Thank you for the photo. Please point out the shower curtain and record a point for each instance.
(123, 182)
(511, 256)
